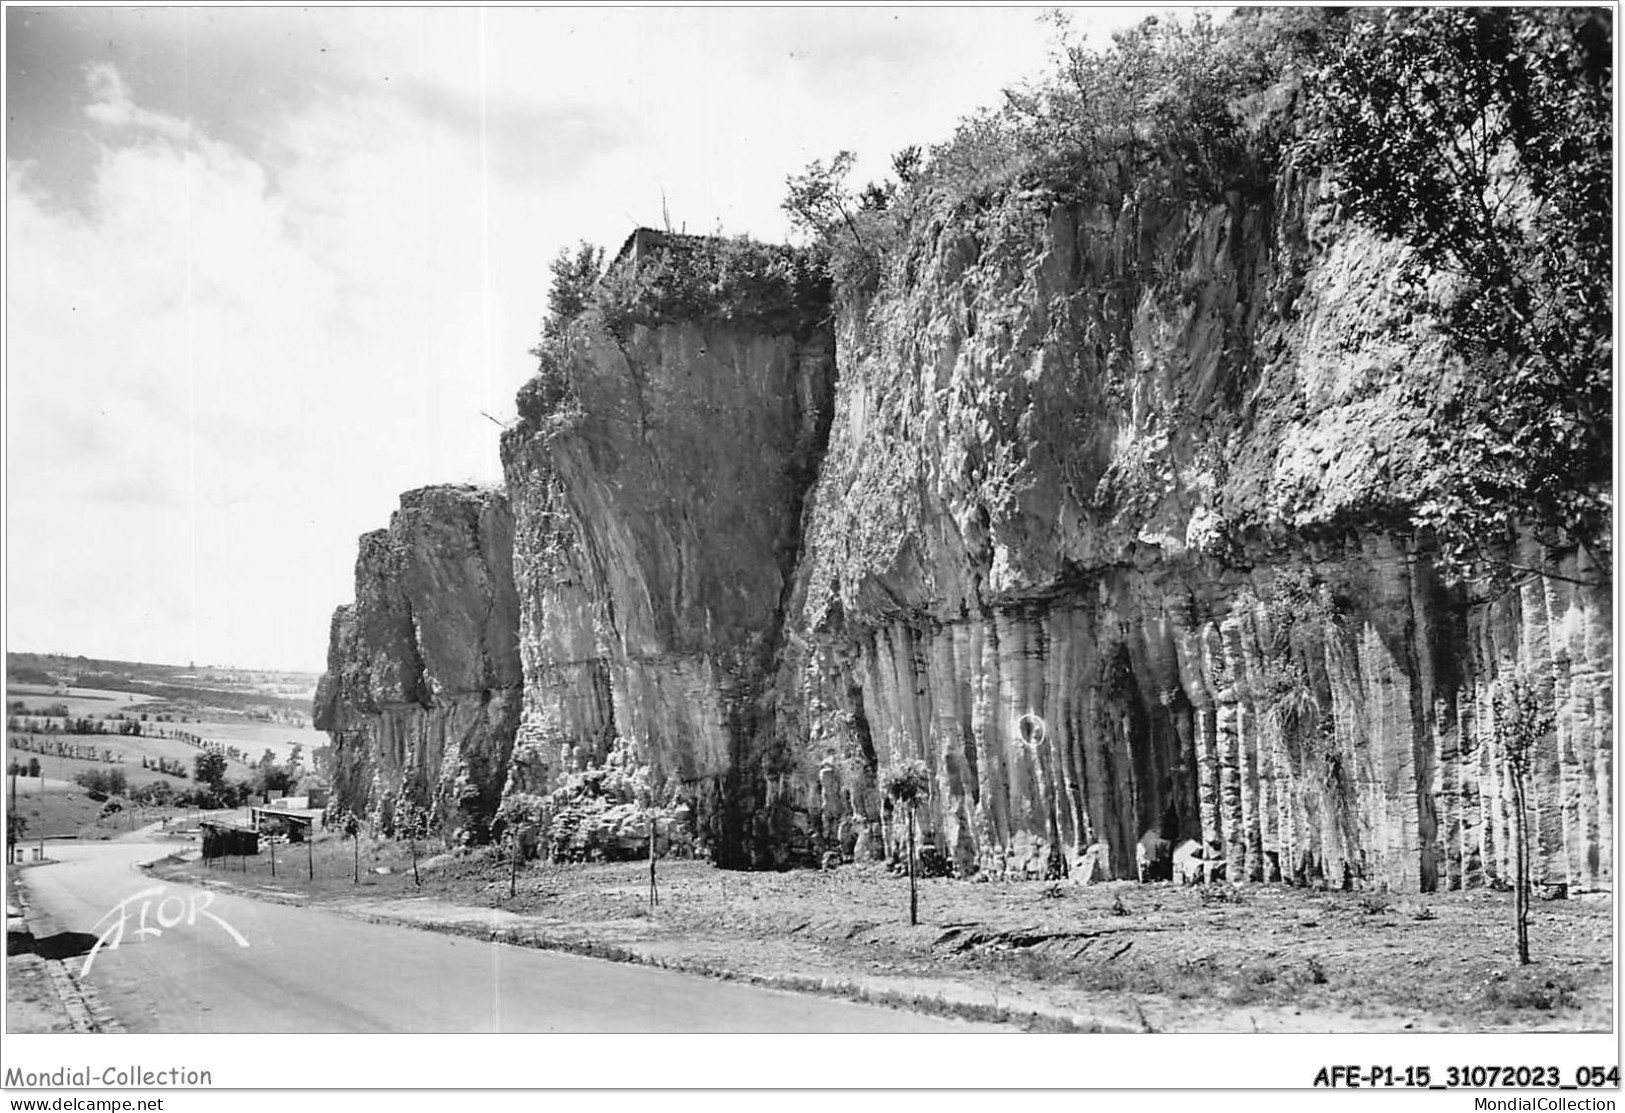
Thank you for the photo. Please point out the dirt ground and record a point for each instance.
(1119, 956)
(32, 1004)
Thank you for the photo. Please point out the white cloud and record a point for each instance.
(251, 370)
(226, 364)
(112, 106)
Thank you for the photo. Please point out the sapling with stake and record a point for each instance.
(1521, 721)
(905, 783)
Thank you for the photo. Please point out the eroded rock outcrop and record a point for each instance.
(658, 502)
(423, 687)
(1140, 467)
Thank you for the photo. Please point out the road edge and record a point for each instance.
(84, 1007)
(840, 989)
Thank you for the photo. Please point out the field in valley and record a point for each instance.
(252, 736)
(266, 705)
(78, 701)
(57, 807)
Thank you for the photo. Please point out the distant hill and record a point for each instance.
(27, 674)
(234, 689)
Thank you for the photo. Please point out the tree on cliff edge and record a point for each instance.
(575, 275)
(1482, 139)
(852, 229)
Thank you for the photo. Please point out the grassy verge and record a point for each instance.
(1119, 956)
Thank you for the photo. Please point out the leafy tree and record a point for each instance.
(818, 199)
(905, 164)
(575, 273)
(1164, 86)
(153, 794)
(350, 824)
(905, 783)
(1171, 105)
(518, 812)
(411, 824)
(209, 768)
(1521, 721)
(855, 229)
(1482, 139)
(102, 783)
(274, 779)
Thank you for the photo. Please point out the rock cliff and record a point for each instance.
(423, 687)
(1140, 468)
(1097, 503)
(658, 507)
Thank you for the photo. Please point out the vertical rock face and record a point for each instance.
(1341, 735)
(1140, 468)
(658, 512)
(1104, 519)
(423, 687)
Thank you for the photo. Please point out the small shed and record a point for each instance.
(223, 839)
(294, 824)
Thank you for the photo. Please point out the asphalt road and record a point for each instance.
(184, 968)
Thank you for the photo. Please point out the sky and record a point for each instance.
(267, 268)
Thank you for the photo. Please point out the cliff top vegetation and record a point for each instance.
(1479, 139)
(661, 277)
